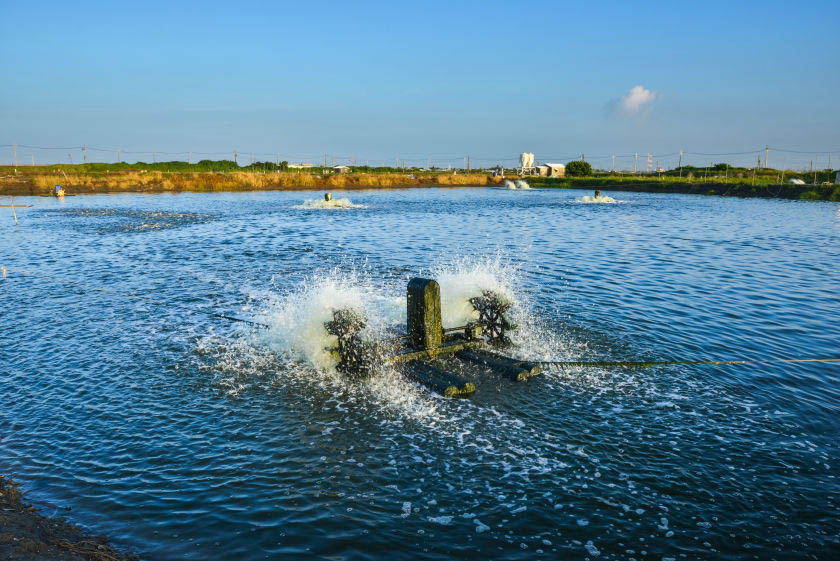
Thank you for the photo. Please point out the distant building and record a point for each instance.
(299, 166)
(552, 170)
(795, 181)
(341, 169)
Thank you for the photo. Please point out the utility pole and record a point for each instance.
(189, 157)
(235, 155)
(681, 152)
(581, 157)
(325, 160)
(84, 154)
(613, 163)
(635, 162)
(33, 160)
(766, 150)
(154, 158)
(118, 156)
(468, 164)
(15, 157)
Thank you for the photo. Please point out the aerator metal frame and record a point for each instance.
(419, 355)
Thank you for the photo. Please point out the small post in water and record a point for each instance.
(424, 324)
(328, 197)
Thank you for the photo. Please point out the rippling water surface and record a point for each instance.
(184, 436)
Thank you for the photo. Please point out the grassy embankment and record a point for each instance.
(163, 178)
(224, 175)
(739, 184)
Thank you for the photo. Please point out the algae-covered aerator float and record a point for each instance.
(444, 360)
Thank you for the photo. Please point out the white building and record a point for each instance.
(552, 170)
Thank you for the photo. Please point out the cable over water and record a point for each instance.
(648, 364)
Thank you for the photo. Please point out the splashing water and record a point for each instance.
(321, 204)
(300, 344)
(465, 278)
(601, 199)
(509, 184)
(297, 319)
(522, 184)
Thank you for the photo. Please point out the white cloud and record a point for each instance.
(636, 100)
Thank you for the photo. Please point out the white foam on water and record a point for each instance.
(297, 318)
(508, 184)
(522, 184)
(602, 199)
(321, 204)
(465, 278)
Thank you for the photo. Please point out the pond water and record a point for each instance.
(182, 435)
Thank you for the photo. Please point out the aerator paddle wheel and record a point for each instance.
(491, 308)
(428, 354)
(355, 356)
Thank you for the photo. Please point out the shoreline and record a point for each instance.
(35, 182)
(29, 184)
(5, 192)
(27, 534)
(789, 191)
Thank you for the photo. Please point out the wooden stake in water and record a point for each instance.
(12, 200)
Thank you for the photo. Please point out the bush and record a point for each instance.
(578, 169)
(835, 196)
(810, 196)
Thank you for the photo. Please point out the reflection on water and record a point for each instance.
(184, 438)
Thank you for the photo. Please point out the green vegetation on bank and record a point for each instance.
(667, 184)
(221, 175)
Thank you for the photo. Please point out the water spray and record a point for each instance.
(422, 354)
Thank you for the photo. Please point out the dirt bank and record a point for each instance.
(41, 181)
(27, 535)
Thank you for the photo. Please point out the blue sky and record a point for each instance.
(438, 80)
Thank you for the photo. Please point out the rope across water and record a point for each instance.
(638, 364)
